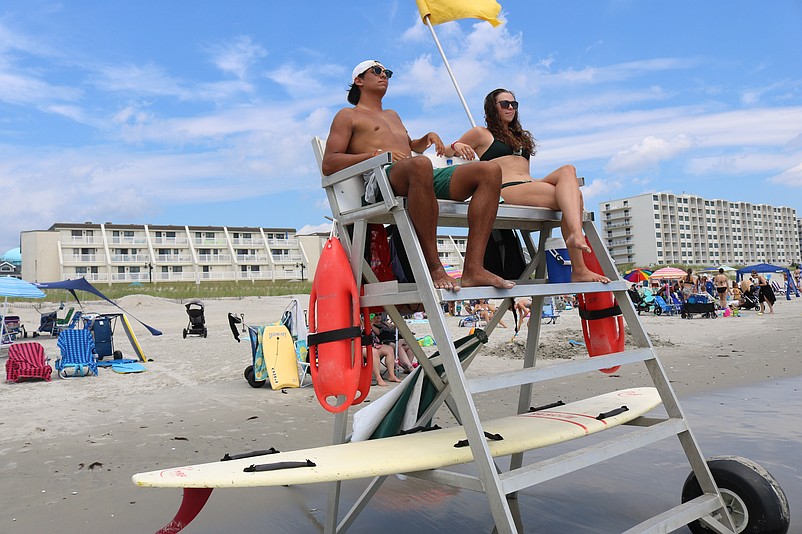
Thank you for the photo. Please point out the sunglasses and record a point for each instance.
(507, 104)
(378, 71)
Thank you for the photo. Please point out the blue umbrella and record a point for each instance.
(15, 287)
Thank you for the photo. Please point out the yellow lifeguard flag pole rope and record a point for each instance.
(440, 11)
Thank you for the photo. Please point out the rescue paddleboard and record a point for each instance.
(412, 452)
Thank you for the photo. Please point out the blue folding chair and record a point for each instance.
(77, 354)
(549, 314)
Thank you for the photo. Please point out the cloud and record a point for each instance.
(599, 188)
(791, 177)
(648, 154)
(309, 229)
(236, 56)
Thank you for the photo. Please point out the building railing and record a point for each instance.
(247, 241)
(136, 240)
(82, 258)
(214, 258)
(130, 258)
(173, 258)
(170, 241)
(246, 258)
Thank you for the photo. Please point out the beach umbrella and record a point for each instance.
(16, 288)
(637, 275)
(671, 273)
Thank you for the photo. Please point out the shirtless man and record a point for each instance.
(368, 129)
(722, 283)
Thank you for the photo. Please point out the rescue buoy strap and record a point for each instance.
(592, 315)
(333, 335)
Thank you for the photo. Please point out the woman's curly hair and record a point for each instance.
(514, 135)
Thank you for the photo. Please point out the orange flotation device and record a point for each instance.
(335, 338)
(602, 322)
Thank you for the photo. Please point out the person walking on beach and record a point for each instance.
(367, 129)
(505, 141)
(688, 282)
(766, 293)
(722, 283)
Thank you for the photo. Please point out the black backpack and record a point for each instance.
(504, 255)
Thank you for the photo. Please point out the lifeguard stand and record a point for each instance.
(344, 190)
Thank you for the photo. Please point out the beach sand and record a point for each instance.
(68, 448)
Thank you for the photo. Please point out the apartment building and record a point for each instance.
(662, 228)
(127, 253)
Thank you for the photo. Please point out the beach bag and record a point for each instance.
(504, 255)
(377, 253)
(399, 260)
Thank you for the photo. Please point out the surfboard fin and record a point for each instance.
(191, 505)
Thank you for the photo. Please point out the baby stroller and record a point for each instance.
(700, 303)
(197, 322)
(749, 299)
(638, 301)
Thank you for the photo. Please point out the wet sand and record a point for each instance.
(69, 447)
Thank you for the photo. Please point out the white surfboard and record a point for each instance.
(413, 452)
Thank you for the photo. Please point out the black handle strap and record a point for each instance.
(592, 315)
(339, 334)
(605, 415)
(278, 466)
(546, 406)
(251, 454)
(488, 435)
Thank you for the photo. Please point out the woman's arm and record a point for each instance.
(472, 144)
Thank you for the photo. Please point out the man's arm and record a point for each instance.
(336, 156)
(431, 138)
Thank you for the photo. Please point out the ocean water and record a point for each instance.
(761, 422)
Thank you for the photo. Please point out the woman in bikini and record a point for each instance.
(506, 142)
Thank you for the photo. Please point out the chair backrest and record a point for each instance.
(349, 192)
(76, 346)
(32, 354)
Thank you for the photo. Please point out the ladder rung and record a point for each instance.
(531, 288)
(676, 517)
(539, 374)
(532, 474)
(449, 478)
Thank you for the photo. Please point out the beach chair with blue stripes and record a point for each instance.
(78, 356)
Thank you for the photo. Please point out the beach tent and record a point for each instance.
(18, 288)
(727, 269)
(82, 284)
(767, 268)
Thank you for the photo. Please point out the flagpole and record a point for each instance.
(450, 73)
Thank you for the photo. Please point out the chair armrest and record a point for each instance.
(375, 162)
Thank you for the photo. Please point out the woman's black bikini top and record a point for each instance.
(500, 148)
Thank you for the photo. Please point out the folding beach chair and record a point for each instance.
(662, 307)
(77, 354)
(27, 360)
(549, 314)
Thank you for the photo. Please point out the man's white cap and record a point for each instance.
(365, 65)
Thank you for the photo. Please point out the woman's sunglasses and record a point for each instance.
(378, 71)
(506, 104)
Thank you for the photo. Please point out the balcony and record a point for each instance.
(211, 241)
(290, 242)
(130, 277)
(170, 240)
(287, 258)
(81, 240)
(247, 241)
(83, 258)
(174, 258)
(130, 258)
(128, 240)
(252, 258)
(214, 258)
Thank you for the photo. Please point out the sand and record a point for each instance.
(69, 447)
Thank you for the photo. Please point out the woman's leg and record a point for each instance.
(389, 362)
(560, 191)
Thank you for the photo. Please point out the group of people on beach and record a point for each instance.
(503, 149)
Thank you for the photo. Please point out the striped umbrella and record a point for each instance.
(453, 271)
(669, 273)
(637, 275)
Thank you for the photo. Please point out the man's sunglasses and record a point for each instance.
(378, 71)
(506, 104)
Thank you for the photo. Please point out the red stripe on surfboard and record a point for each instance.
(565, 417)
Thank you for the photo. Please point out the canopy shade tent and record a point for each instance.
(82, 284)
(15, 288)
(767, 268)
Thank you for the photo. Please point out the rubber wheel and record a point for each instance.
(185, 333)
(249, 377)
(658, 311)
(204, 332)
(118, 355)
(753, 497)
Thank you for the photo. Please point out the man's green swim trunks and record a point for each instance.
(442, 180)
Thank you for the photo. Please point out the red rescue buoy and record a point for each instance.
(602, 322)
(335, 338)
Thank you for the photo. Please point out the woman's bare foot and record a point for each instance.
(588, 276)
(577, 241)
(441, 280)
(393, 379)
(381, 383)
(484, 277)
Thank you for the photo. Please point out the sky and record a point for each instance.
(201, 113)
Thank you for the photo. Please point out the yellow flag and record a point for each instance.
(440, 11)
